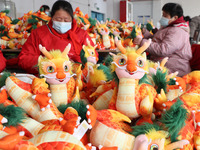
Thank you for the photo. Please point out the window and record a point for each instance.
(143, 19)
(98, 16)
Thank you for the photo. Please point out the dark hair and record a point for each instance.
(173, 9)
(62, 4)
(187, 18)
(44, 7)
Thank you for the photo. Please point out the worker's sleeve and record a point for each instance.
(28, 57)
(2, 62)
(167, 46)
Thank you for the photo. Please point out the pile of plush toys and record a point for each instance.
(103, 34)
(13, 33)
(126, 103)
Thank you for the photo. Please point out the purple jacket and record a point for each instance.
(172, 42)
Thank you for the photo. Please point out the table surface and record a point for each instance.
(11, 50)
(107, 51)
(13, 53)
(19, 50)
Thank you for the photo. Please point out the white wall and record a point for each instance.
(152, 8)
(142, 8)
(98, 6)
(83, 5)
(147, 8)
(190, 7)
(24, 6)
(156, 12)
(113, 9)
(86, 6)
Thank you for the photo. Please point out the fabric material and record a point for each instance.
(12, 62)
(51, 39)
(62, 27)
(71, 34)
(177, 21)
(172, 42)
(164, 21)
(181, 23)
(2, 62)
(194, 25)
(195, 61)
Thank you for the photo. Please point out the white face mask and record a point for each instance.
(164, 21)
(62, 27)
(47, 13)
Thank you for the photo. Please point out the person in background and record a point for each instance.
(171, 40)
(2, 62)
(187, 19)
(194, 25)
(57, 34)
(45, 9)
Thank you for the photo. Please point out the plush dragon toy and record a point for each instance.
(103, 31)
(56, 68)
(163, 134)
(38, 101)
(129, 97)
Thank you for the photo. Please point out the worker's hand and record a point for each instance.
(138, 40)
(143, 30)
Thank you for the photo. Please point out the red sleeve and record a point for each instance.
(28, 57)
(2, 62)
(194, 62)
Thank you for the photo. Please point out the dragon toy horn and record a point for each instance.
(98, 23)
(119, 46)
(95, 46)
(106, 22)
(88, 42)
(66, 50)
(144, 47)
(45, 52)
(163, 62)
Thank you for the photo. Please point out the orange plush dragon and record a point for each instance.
(54, 129)
(129, 97)
(190, 98)
(57, 128)
(106, 41)
(36, 100)
(56, 68)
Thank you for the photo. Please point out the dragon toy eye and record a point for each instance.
(92, 53)
(50, 69)
(66, 68)
(140, 63)
(122, 62)
(154, 147)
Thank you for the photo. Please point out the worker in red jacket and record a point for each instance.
(57, 34)
(2, 62)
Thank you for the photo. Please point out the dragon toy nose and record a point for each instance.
(131, 67)
(60, 75)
